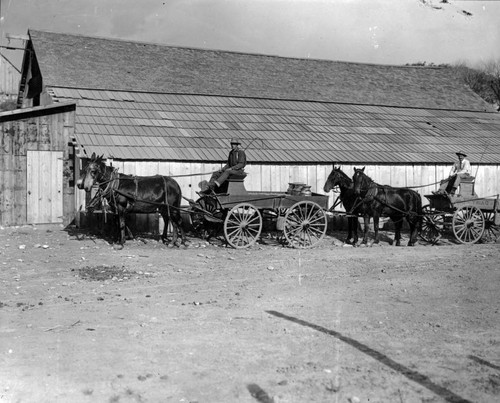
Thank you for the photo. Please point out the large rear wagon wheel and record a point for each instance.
(242, 226)
(468, 224)
(305, 224)
(491, 231)
(432, 224)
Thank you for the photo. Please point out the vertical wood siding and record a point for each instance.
(37, 132)
(9, 79)
(277, 177)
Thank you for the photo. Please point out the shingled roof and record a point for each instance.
(139, 101)
(76, 61)
(142, 126)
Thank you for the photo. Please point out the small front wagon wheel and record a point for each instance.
(305, 224)
(242, 226)
(468, 224)
(432, 224)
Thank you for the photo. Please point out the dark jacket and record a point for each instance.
(236, 160)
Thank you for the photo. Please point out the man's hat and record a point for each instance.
(462, 153)
(235, 141)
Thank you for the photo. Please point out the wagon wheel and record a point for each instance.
(468, 224)
(207, 216)
(305, 224)
(491, 231)
(242, 226)
(432, 224)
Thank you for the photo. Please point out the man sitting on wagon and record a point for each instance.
(461, 169)
(236, 162)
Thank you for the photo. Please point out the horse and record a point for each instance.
(386, 201)
(347, 197)
(135, 194)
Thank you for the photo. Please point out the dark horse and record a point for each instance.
(348, 198)
(135, 194)
(386, 201)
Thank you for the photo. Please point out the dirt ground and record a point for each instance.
(83, 321)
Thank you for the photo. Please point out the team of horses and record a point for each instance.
(360, 196)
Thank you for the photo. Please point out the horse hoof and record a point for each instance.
(118, 247)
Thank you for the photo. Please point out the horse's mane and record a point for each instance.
(344, 175)
(366, 177)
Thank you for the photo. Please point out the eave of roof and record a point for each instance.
(194, 128)
(106, 64)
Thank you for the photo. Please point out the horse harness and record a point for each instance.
(112, 188)
(372, 195)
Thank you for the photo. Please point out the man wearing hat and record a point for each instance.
(460, 169)
(236, 161)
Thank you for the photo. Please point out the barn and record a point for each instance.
(156, 109)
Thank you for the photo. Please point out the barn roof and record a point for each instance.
(77, 61)
(179, 127)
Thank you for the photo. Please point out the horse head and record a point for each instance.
(360, 181)
(336, 178)
(93, 173)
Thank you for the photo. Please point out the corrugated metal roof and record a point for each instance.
(348, 134)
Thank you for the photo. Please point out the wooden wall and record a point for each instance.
(33, 129)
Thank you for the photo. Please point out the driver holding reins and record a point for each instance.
(460, 169)
(236, 162)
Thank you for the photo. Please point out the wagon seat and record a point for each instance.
(234, 185)
(467, 187)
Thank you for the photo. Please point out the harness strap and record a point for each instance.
(166, 196)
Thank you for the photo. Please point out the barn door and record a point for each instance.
(45, 187)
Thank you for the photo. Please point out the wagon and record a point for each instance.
(299, 219)
(471, 218)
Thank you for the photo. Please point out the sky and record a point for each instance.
(366, 31)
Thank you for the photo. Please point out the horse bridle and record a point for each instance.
(94, 169)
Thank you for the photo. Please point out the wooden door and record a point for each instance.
(45, 187)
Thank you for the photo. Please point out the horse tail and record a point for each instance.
(418, 209)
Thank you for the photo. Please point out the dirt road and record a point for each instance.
(81, 321)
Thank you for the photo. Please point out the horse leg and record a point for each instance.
(166, 220)
(411, 242)
(349, 230)
(129, 233)
(414, 225)
(353, 224)
(366, 220)
(375, 228)
(175, 229)
(179, 227)
(398, 224)
(122, 226)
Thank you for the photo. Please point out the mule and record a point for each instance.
(386, 201)
(136, 194)
(348, 199)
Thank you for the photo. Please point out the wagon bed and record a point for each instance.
(300, 219)
(470, 217)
